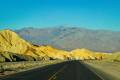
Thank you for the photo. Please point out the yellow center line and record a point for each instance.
(60, 70)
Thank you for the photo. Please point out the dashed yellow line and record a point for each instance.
(53, 77)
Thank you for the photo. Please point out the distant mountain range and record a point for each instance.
(69, 38)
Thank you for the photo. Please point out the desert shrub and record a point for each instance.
(18, 57)
(1, 69)
(51, 58)
(7, 56)
(38, 58)
(2, 59)
(117, 59)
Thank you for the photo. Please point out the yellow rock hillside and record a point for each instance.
(52, 52)
(83, 54)
(11, 42)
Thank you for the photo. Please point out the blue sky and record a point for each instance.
(93, 14)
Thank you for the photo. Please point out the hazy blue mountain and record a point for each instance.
(69, 38)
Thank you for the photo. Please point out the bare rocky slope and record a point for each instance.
(69, 38)
(14, 48)
(12, 43)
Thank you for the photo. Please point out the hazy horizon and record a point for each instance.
(49, 27)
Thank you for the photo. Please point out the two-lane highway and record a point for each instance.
(70, 70)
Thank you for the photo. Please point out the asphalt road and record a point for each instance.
(72, 70)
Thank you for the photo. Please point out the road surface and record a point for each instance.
(71, 70)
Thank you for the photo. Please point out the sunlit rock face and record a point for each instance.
(82, 54)
(52, 52)
(85, 54)
(11, 42)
